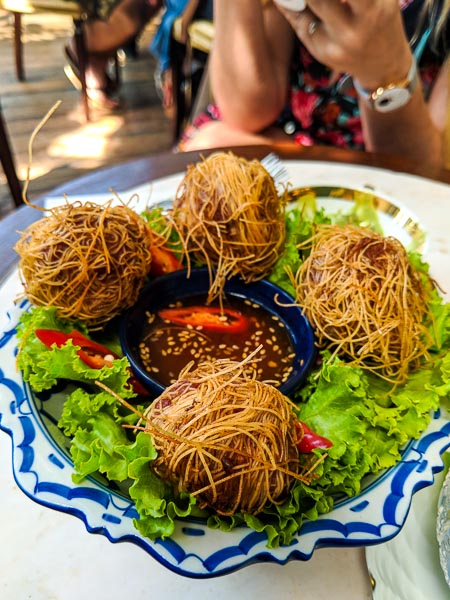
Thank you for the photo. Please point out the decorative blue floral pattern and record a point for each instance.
(43, 470)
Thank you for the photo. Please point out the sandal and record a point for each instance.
(100, 97)
(111, 84)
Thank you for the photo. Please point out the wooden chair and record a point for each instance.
(188, 79)
(7, 161)
(62, 7)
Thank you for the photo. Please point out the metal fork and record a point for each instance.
(277, 170)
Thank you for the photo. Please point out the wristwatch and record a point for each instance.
(392, 96)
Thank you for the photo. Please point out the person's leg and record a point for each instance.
(126, 20)
(104, 38)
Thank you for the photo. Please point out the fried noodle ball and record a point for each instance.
(365, 299)
(88, 261)
(226, 438)
(230, 217)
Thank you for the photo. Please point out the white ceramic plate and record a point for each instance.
(43, 470)
(408, 566)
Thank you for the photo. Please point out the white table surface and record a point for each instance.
(48, 555)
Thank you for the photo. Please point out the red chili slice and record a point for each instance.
(210, 318)
(307, 439)
(92, 354)
(163, 261)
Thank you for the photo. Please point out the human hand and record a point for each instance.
(364, 38)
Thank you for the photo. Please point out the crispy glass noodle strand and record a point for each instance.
(230, 217)
(37, 129)
(227, 438)
(365, 299)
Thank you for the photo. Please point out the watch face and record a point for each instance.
(391, 99)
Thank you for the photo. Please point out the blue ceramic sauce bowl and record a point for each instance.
(177, 286)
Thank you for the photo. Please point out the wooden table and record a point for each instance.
(48, 554)
(131, 174)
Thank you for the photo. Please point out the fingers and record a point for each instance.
(332, 15)
(324, 36)
(340, 35)
(332, 11)
(305, 24)
(300, 20)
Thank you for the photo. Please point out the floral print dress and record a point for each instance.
(322, 108)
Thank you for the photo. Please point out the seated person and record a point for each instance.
(160, 46)
(323, 75)
(110, 25)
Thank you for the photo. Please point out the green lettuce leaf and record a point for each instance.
(298, 229)
(363, 213)
(42, 367)
(95, 424)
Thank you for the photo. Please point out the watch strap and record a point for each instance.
(392, 96)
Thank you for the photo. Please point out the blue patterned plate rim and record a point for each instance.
(42, 468)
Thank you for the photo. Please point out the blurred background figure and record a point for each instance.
(111, 25)
(187, 10)
(364, 74)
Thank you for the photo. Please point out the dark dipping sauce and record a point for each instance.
(166, 348)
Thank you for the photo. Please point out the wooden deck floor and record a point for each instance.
(68, 147)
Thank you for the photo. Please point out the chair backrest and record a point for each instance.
(200, 32)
